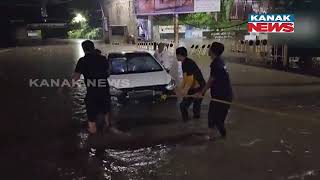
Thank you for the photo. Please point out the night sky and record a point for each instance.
(58, 11)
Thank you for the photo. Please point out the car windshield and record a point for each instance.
(133, 63)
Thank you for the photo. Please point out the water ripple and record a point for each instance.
(135, 163)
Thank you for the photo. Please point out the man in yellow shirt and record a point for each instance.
(192, 83)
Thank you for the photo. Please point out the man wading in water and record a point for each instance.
(192, 83)
(95, 69)
(221, 89)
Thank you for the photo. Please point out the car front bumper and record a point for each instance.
(140, 97)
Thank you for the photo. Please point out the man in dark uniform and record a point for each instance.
(219, 83)
(192, 83)
(95, 69)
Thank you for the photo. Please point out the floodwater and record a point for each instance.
(43, 135)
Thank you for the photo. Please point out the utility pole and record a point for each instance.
(150, 28)
(176, 29)
(105, 19)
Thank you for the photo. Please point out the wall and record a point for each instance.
(120, 12)
(4, 33)
(7, 30)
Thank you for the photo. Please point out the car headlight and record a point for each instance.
(172, 85)
(114, 91)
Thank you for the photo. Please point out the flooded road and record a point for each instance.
(43, 135)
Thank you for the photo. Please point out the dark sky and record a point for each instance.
(84, 4)
(57, 10)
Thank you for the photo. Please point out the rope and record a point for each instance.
(252, 108)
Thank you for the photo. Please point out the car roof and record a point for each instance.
(130, 52)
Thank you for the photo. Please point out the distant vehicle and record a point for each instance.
(138, 78)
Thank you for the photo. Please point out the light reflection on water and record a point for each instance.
(115, 164)
(305, 175)
(135, 164)
(78, 95)
(126, 164)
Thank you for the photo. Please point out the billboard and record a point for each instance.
(242, 8)
(156, 7)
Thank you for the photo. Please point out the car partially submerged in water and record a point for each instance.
(138, 78)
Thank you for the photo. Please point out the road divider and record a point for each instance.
(5, 50)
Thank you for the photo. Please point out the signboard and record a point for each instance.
(170, 29)
(250, 37)
(223, 35)
(156, 7)
(207, 5)
(34, 34)
(271, 23)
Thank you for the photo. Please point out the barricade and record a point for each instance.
(258, 47)
(208, 49)
(264, 47)
(196, 49)
(202, 50)
(115, 43)
(192, 49)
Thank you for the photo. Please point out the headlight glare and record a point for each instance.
(171, 86)
(114, 91)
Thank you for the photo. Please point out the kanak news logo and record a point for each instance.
(271, 23)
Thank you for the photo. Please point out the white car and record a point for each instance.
(138, 78)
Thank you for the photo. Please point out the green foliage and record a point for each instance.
(82, 30)
(94, 34)
(207, 20)
(163, 20)
(75, 34)
(200, 20)
(224, 14)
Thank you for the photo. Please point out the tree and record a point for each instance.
(227, 5)
(217, 20)
(79, 27)
(200, 20)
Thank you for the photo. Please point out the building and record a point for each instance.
(120, 22)
(26, 20)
